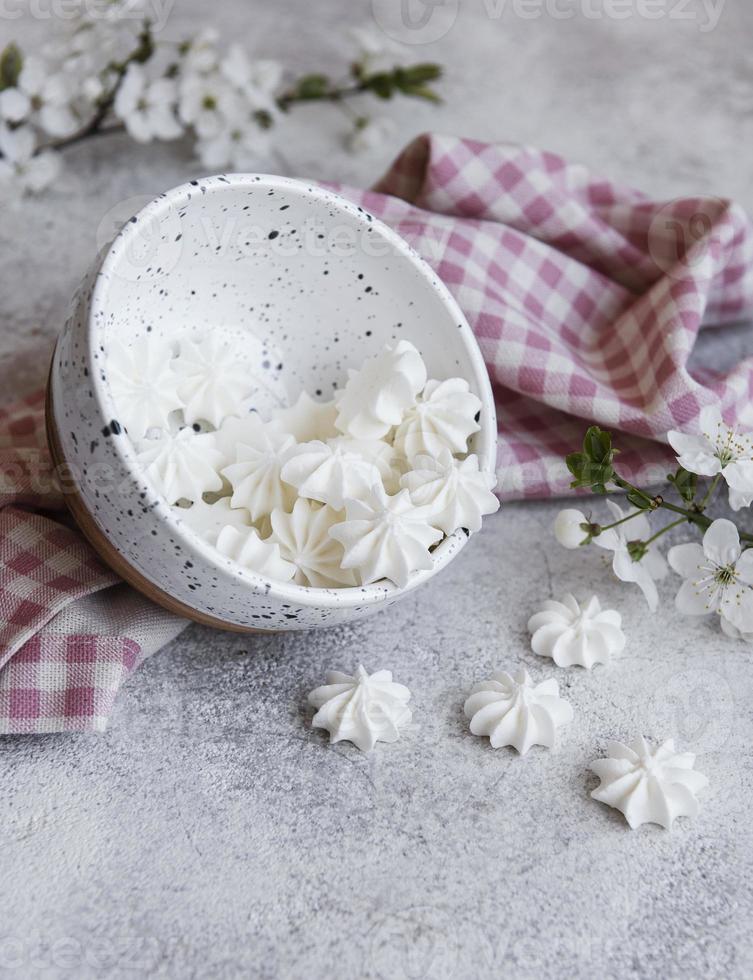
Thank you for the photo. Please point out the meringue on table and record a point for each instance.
(571, 634)
(511, 710)
(648, 785)
(363, 709)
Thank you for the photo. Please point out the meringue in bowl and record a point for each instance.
(306, 286)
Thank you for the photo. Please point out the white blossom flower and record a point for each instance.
(147, 107)
(568, 528)
(377, 50)
(256, 80)
(718, 449)
(202, 54)
(15, 105)
(50, 94)
(210, 104)
(21, 169)
(646, 569)
(240, 147)
(730, 630)
(371, 134)
(718, 576)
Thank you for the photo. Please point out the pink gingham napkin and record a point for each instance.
(70, 632)
(586, 299)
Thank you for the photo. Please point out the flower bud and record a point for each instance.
(569, 528)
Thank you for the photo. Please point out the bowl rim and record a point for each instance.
(288, 592)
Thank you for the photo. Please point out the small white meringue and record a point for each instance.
(181, 465)
(444, 416)
(648, 785)
(330, 472)
(513, 711)
(572, 635)
(451, 493)
(385, 537)
(244, 546)
(237, 429)
(213, 380)
(303, 537)
(207, 520)
(143, 385)
(376, 397)
(307, 420)
(361, 709)
(256, 476)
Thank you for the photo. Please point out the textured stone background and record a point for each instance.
(210, 832)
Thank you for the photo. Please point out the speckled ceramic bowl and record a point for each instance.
(314, 285)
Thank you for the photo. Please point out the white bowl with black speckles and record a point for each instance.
(314, 284)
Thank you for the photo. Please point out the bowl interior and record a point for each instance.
(308, 283)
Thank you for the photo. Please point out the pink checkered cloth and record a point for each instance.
(70, 632)
(586, 299)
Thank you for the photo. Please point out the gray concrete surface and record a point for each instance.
(210, 832)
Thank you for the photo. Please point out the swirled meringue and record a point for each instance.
(451, 493)
(307, 420)
(213, 380)
(443, 417)
(207, 520)
(143, 385)
(256, 476)
(572, 635)
(181, 465)
(303, 537)
(245, 546)
(376, 397)
(648, 785)
(330, 472)
(512, 711)
(385, 537)
(236, 429)
(361, 709)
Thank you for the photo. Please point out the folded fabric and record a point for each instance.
(586, 301)
(586, 298)
(70, 632)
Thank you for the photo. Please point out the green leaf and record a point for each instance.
(418, 74)
(637, 549)
(638, 500)
(11, 62)
(382, 84)
(685, 483)
(314, 86)
(597, 445)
